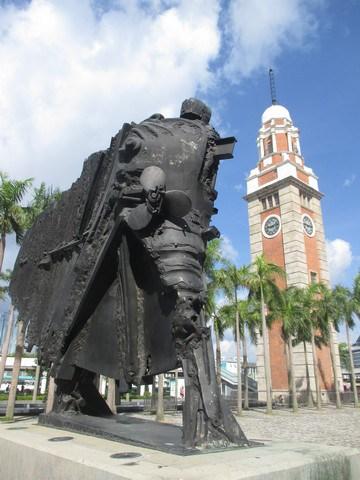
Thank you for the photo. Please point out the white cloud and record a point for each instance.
(238, 187)
(228, 349)
(70, 75)
(228, 250)
(259, 31)
(73, 72)
(349, 181)
(339, 258)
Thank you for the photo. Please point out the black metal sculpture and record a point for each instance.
(110, 278)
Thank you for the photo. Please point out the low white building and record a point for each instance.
(26, 377)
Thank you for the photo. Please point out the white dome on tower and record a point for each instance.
(275, 111)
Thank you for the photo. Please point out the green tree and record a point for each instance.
(249, 321)
(12, 218)
(262, 283)
(42, 198)
(290, 311)
(315, 331)
(348, 306)
(213, 257)
(232, 279)
(5, 279)
(329, 313)
(160, 399)
(344, 356)
(219, 323)
(357, 287)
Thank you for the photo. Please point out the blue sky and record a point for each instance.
(75, 71)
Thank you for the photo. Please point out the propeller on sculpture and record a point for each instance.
(172, 203)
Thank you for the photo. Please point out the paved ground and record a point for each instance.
(328, 426)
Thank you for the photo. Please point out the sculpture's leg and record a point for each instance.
(80, 395)
(206, 418)
(192, 403)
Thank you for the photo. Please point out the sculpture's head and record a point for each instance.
(194, 109)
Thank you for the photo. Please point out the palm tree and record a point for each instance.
(4, 277)
(16, 370)
(349, 306)
(248, 321)
(42, 198)
(290, 312)
(14, 218)
(344, 355)
(357, 287)
(160, 399)
(11, 213)
(111, 393)
(328, 312)
(262, 283)
(220, 326)
(232, 279)
(6, 342)
(212, 258)
(314, 331)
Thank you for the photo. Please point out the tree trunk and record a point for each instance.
(176, 388)
(316, 370)
(36, 383)
(218, 357)
(294, 402)
(2, 250)
(238, 359)
(50, 394)
(308, 386)
(352, 371)
(160, 399)
(20, 338)
(110, 399)
(266, 355)
(6, 343)
(246, 370)
(333, 363)
(153, 394)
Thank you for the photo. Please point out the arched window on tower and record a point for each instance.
(294, 145)
(268, 145)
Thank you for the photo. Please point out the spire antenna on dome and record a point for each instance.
(272, 86)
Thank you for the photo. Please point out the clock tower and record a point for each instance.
(286, 226)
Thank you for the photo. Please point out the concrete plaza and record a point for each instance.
(309, 445)
(328, 426)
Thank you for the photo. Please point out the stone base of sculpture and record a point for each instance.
(132, 431)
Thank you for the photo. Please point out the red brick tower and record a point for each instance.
(286, 225)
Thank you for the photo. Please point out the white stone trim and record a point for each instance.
(313, 182)
(267, 161)
(274, 142)
(252, 185)
(287, 169)
(289, 142)
(261, 148)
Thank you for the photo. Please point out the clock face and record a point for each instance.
(271, 226)
(308, 225)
